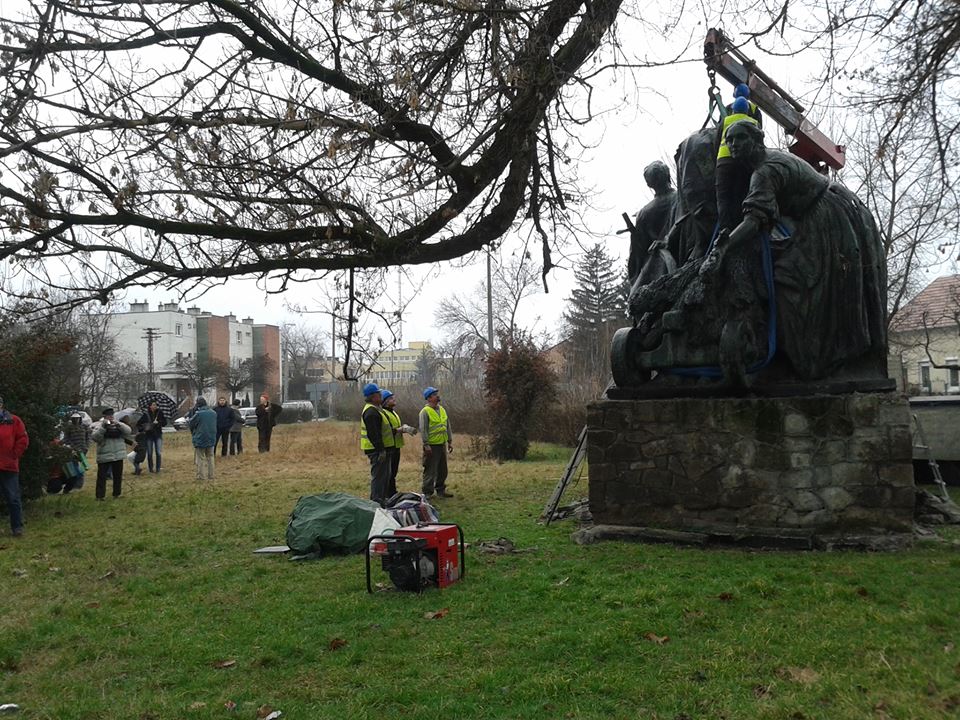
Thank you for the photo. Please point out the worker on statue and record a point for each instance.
(732, 178)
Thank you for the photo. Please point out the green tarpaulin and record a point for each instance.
(330, 522)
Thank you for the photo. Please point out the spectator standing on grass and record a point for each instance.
(203, 426)
(236, 429)
(437, 443)
(376, 441)
(224, 423)
(267, 414)
(111, 437)
(13, 443)
(152, 423)
(76, 436)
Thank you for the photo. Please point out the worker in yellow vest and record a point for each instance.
(732, 178)
(376, 441)
(388, 404)
(437, 442)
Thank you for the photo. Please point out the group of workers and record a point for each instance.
(381, 438)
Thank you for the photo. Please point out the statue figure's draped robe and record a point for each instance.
(830, 275)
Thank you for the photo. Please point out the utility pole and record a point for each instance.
(489, 302)
(333, 362)
(152, 334)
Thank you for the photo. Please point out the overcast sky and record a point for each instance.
(646, 122)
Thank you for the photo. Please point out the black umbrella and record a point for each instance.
(163, 401)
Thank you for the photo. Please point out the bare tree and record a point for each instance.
(307, 348)
(464, 317)
(202, 374)
(247, 373)
(232, 138)
(897, 171)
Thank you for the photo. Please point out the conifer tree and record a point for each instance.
(595, 310)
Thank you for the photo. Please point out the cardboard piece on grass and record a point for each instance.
(272, 550)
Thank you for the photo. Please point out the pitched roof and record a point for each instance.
(938, 304)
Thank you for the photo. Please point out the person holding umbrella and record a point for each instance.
(151, 424)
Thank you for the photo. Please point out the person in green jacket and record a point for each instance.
(203, 425)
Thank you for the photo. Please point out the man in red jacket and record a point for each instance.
(13, 443)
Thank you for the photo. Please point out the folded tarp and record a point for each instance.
(330, 523)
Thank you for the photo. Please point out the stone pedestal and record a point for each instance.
(827, 464)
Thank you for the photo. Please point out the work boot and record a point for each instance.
(444, 494)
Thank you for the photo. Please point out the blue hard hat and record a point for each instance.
(384, 394)
(427, 392)
(741, 90)
(370, 389)
(741, 105)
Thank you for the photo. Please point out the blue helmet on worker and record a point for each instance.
(384, 394)
(741, 90)
(741, 106)
(427, 392)
(370, 389)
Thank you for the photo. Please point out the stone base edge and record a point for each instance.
(755, 538)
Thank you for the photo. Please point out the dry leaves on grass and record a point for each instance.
(197, 705)
(230, 705)
(437, 614)
(656, 639)
(221, 664)
(725, 597)
(335, 644)
(761, 692)
(804, 675)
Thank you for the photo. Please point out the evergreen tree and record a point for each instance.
(595, 310)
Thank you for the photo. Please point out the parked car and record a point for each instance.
(180, 423)
(249, 415)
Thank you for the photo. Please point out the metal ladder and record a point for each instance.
(931, 461)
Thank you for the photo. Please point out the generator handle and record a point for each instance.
(463, 557)
(366, 554)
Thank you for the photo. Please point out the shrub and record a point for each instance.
(33, 357)
(518, 378)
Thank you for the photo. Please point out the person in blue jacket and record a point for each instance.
(203, 425)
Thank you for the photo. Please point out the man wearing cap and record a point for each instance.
(111, 437)
(13, 443)
(437, 442)
(376, 441)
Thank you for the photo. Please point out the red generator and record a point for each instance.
(419, 556)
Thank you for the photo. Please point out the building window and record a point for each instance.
(239, 337)
(925, 377)
(179, 360)
(954, 371)
(179, 330)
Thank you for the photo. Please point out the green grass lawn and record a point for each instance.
(124, 609)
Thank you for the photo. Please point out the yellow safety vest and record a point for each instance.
(395, 423)
(724, 151)
(386, 432)
(437, 429)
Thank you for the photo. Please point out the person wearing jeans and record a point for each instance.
(152, 423)
(111, 437)
(203, 426)
(13, 443)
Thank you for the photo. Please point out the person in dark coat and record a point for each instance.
(224, 423)
(236, 430)
(13, 443)
(267, 414)
(77, 437)
(151, 424)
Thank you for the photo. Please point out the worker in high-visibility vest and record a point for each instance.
(437, 443)
(732, 178)
(376, 440)
(388, 403)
